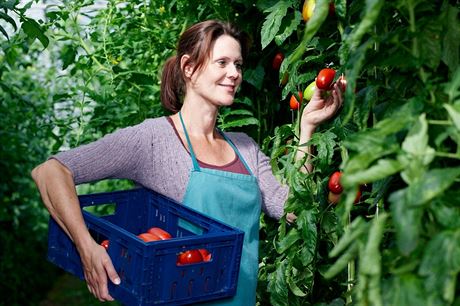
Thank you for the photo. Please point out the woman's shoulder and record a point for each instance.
(241, 139)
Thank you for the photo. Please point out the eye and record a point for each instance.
(239, 66)
(221, 63)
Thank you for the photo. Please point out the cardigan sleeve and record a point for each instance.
(116, 155)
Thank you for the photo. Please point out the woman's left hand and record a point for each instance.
(321, 107)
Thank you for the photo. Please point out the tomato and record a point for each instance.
(325, 78)
(189, 257)
(309, 91)
(277, 60)
(342, 82)
(147, 237)
(334, 183)
(333, 198)
(307, 9)
(105, 244)
(205, 254)
(162, 234)
(294, 103)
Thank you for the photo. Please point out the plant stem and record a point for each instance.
(351, 272)
(439, 122)
(448, 155)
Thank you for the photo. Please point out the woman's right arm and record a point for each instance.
(57, 189)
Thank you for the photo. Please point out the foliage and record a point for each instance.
(397, 135)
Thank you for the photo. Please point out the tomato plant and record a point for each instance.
(189, 257)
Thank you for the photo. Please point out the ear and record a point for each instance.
(186, 68)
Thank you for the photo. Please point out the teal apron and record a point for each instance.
(234, 199)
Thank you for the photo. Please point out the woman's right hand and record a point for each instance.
(97, 268)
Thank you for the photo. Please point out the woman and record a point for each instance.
(183, 156)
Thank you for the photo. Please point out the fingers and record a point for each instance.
(96, 276)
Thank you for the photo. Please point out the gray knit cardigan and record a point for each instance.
(151, 155)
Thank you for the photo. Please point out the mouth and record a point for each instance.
(229, 87)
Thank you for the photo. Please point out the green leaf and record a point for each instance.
(277, 285)
(441, 264)
(255, 77)
(9, 19)
(454, 114)
(273, 20)
(352, 233)
(239, 123)
(382, 169)
(404, 290)
(306, 222)
(67, 55)
(430, 185)
(370, 261)
(280, 38)
(4, 32)
(419, 154)
(451, 40)
(324, 144)
(292, 237)
(453, 88)
(34, 30)
(407, 221)
(9, 4)
(430, 43)
(341, 263)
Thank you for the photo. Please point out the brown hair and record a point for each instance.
(197, 42)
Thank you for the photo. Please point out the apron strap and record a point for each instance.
(196, 166)
(236, 151)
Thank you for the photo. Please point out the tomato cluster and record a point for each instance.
(336, 189)
(184, 258)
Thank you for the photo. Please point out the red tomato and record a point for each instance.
(277, 60)
(334, 183)
(105, 244)
(358, 195)
(205, 254)
(147, 237)
(162, 234)
(325, 78)
(189, 257)
(294, 103)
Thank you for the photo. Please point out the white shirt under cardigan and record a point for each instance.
(152, 155)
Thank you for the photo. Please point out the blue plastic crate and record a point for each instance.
(149, 272)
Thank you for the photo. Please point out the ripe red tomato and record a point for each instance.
(294, 104)
(147, 237)
(162, 234)
(277, 60)
(334, 183)
(105, 244)
(205, 254)
(325, 78)
(189, 257)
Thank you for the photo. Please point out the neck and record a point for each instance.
(199, 120)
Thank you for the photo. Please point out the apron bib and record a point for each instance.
(234, 199)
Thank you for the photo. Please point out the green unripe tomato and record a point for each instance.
(308, 92)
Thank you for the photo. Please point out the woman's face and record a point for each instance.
(218, 80)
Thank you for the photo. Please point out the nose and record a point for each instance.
(233, 72)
